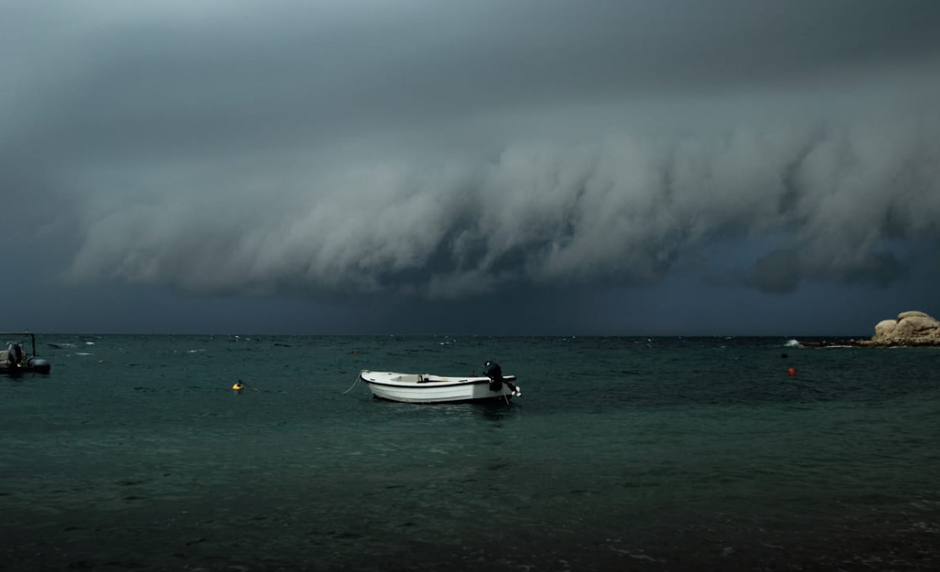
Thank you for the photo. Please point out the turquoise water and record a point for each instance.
(622, 454)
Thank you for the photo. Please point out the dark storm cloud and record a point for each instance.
(454, 148)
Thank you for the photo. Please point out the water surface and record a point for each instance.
(622, 454)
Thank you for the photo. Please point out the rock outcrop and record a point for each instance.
(909, 329)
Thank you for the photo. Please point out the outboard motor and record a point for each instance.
(14, 355)
(495, 373)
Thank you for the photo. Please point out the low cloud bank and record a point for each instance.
(832, 198)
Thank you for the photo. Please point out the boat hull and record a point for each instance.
(415, 388)
(39, 366)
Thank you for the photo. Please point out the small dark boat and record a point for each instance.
(15, 359)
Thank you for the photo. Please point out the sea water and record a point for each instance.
(621, 454)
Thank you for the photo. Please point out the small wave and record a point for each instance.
(792, 344)
(82, 354)
(195, 351)
(89, 343)
(62, 346)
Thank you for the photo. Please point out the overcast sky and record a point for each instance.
(656, 167)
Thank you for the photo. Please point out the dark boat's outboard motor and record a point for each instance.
(495, 373)
(14, 356)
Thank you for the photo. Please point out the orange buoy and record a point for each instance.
(238, 386)
(791, 371)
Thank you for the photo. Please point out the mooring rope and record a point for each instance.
(358, 379)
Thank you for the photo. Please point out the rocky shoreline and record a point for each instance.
(910, 329)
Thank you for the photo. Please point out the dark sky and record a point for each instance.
(661, 167)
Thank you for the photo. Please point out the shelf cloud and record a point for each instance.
(449, 149)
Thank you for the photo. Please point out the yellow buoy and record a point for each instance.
(238, 386)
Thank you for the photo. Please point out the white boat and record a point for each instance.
(427, 388)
